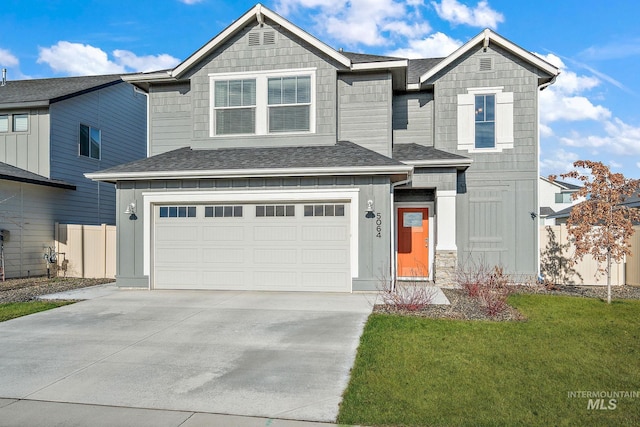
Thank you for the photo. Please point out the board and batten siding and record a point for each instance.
(28, 150)
(364, 110)
(27, 212)
(495, 223)
(413, 118)
(120, 114)
(373, 250)
(187, 105)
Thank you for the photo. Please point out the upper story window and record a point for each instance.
(263, 103)
(289, 104)
(90, 141)
(563, 198)
(485, 120)
(235, 107)
(19, 122)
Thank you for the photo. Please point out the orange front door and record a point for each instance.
(413, 242)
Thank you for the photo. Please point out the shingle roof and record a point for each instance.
(12, 173)
(546, 211)
(417, 152)
(54, 89)
(342, 155)
(360, 58)
(567, 185)
(418, 67)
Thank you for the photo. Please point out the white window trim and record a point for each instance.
(149, 199)
(503, 119)
(262, 111)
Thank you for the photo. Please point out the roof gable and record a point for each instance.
(258, 13)
(486, 38)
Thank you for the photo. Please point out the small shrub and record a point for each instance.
(491, 286)
(406, 295)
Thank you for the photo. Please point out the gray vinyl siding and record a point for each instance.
(364, 110)
(494, 224)
(413, 118)
(443, 179)
(190, 104)
(27, 212)
(374, 252)
(120, 114)
(27, 150)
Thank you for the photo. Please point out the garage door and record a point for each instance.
(261, 246)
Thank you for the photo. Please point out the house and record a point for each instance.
(277, 162)
(554, 196)
(52, 131)
(562, 216)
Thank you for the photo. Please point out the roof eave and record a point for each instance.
(249, 173)
(28, 104)
(488, 36)
(254, 13)
(451, 163)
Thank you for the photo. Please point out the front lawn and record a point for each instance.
(18, 309)
(413, 371)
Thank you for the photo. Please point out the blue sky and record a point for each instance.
(591, 113)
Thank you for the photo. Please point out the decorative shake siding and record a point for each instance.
(413, 118)
(184, 109)
(27, 150)
(364, 110)
(494, 225)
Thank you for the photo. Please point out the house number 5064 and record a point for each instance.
(379, 225)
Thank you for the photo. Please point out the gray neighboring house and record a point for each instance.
(279, 163)
(52, 131)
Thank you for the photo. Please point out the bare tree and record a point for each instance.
(602, 225)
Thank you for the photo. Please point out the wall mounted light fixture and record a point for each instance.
(131, 211)
(369, 206)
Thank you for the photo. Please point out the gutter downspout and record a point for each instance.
(537, 231)
(392, 227)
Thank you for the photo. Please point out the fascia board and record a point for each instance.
(150, 77)
(436, 163)
(28, 104)
(366, 66)
(499, 40)
(247, 173)
(241, 23)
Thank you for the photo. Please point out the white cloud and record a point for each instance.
(457, 13)
(7, 59)
(366, 22)
(614, 165)
(557, 162)
(144, 63)
(78, 59)
(434, 46)
(620, 138)
(545, 131)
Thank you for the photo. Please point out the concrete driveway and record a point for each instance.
(275, 355)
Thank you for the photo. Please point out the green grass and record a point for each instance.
(425, 372)
(17, 309)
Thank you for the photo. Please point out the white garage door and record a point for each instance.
(262, 246)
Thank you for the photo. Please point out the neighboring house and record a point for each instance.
(52, 131)
(279, 163)
(555, 196)
(562, 216)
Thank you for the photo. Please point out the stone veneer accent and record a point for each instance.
(446, 263)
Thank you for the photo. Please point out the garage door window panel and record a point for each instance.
(223, 212)
(324, 210)
(275, 210)
(178, 211)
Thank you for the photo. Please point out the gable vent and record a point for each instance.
(486, 64)
(254, 39)
(269, 37)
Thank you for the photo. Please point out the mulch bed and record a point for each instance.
(463, 307)
(20, 290)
